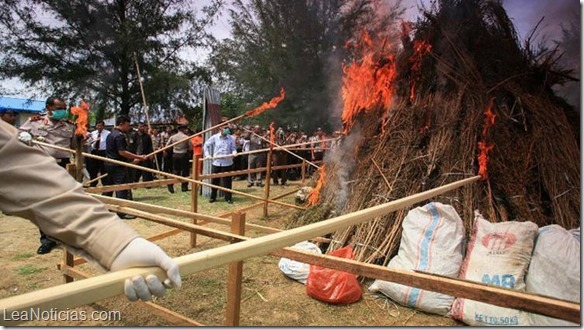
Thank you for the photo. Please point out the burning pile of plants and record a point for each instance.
(457, 96)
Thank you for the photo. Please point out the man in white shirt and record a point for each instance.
(96, 141)
(221, 144)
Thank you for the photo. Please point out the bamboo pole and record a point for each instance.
(113, 161)
(128, 186)
(112, 284)
(291, 146)
(251, 113)
(281, 148)
(197, 134)
(94, 180)
(253, 170)
(145, 105)
(234, 277)
(456, 287)
(268, 180)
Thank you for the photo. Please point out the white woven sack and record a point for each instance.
(555, 270)
(497, 254)
(432, 241)
(295, 269)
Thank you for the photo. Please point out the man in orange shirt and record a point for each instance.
(197, 142)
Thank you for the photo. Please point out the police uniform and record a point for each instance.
(50, 198)
(55, 132)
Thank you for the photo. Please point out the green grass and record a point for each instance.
(182, 200)
(22, 256)
(29, 270)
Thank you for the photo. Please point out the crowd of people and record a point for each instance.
(233, 148)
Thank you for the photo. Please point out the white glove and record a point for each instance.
(25, 138)
(140, 253)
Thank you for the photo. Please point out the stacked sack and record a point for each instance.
(498, 254)
(555, 270)
(432, 241)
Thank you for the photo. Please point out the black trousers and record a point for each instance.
(118, 175)
(146, 176)
(279, 158)
(223, 182)
(63, 163)
(95, 167)
(180, 166)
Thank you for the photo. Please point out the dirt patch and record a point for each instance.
(268, 297)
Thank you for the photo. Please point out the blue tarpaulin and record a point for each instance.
(21, 105)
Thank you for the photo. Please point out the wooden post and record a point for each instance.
(303, 171)
(78, 158)
(234, 276)
(68, 258)
(195, 196)
(268, 178)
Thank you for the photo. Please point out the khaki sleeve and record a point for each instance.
(34, 187)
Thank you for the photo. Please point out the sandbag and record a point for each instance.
(432, 241)
(295, 269)
(498, 254)
(555, 270)
(334, 286)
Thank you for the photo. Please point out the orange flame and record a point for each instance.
(314, 195)
(272, 135)
(368, 83)
(421, 48)
(82, 112)
(484, 147)
(267, 105)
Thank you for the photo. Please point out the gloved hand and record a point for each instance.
(25, 138)
(139, 253)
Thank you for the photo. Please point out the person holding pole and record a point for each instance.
(117, 148)
(34, 187)
(54, 128)
(221, 144)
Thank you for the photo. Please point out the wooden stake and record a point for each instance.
(268, 182)
(234, 276)
(68, 258)
(146, 169)
(112, 284)
(195, 196)
(303, 172)
(79, 158)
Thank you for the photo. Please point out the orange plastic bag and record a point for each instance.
(334, 286)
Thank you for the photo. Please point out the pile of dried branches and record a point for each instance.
(431, 139)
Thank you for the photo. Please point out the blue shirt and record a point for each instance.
(219, 145)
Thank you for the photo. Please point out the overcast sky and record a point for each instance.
(524, 13)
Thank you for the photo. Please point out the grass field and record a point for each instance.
(268, 299)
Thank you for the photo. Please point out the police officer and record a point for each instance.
(53, 128)
(117, 148)
(8, 116)
(35, 188)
